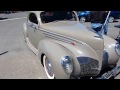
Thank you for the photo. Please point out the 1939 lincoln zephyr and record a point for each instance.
(68, 49)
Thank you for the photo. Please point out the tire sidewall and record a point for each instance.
(81, 19)
(111, 19)
(49, 77)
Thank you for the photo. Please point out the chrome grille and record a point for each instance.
(89, 66)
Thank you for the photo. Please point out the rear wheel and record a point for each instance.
(82, 19)
(111, 19)
(48, 68)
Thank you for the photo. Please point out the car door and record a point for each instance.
(32, 27)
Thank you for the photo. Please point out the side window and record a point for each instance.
(33, 18)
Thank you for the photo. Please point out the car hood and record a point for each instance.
(76, 31)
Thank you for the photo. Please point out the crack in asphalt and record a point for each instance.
(3, 53)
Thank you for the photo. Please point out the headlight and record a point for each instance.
(117, 48)
(67, 64)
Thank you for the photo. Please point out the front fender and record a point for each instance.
(82, 51)
(54, 52)
(109, 44)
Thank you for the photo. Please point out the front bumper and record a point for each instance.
(107, 75)
(110, 74)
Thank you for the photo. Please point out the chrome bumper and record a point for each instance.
(110, 74)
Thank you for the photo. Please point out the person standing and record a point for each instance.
(106, 24)
(97, 19)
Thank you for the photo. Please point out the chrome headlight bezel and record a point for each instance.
(117, 48)
(67, 64)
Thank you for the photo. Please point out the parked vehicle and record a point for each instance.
(83, 16)
(8, 12)
(68, 49)
(114, 15)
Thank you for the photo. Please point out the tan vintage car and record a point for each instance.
(68, 49)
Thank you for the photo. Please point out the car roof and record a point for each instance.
(37, 12)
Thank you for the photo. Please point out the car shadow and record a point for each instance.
(116, 21)
(117, 26)
(3, 18)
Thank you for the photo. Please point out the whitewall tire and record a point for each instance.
(47, 67)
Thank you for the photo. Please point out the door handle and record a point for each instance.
(33, 26)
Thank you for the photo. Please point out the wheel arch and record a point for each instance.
(86, 52)
(41, 60)
(51, 49)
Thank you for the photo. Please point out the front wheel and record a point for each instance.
(48, 68)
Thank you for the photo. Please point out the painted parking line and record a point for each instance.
(39, 78)
(12, 19)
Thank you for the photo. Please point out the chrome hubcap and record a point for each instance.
(82, 19)
(48, 67)
(111, 19)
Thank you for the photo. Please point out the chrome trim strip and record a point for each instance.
(59, 35)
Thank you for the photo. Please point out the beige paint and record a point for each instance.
(53, 39)
(110, 46)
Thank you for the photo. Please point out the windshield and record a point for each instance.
(51, 16)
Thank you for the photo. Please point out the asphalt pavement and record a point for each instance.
(13, 15)
(17, 61)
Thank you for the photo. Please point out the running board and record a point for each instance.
(35, 51)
